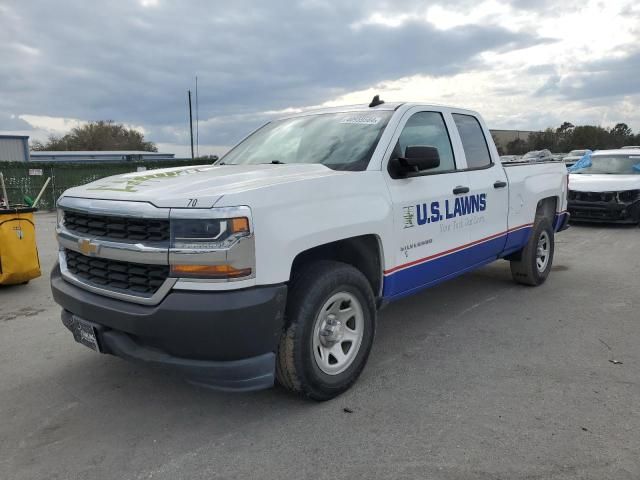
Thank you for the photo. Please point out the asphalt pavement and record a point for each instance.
(478, 378)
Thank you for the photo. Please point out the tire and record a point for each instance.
(530, 269)
(320, 290)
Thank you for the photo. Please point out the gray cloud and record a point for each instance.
(134, 64)
(13, 123)
(609, 78)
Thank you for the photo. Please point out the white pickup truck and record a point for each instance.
(273, 263)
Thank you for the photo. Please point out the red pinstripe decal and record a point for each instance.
(453, 250)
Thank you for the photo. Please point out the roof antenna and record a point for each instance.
(376, 101)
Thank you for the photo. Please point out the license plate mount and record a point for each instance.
(86, 333)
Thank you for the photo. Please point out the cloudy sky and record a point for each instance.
(524, 64)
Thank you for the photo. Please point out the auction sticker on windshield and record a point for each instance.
(361, 120)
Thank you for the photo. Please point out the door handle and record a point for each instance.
(499, 184)
(460, 189)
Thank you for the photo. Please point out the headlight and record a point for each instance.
(208, 234)
(629, 195)
(212, 244)
(60, 213)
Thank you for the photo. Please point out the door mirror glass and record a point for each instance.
(417, 158)
(422, 157)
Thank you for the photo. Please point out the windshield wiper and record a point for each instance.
(272, 162)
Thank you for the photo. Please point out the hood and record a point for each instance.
(172, 187)
(584, 182)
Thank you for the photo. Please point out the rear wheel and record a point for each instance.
(331, 325)
(536, 257)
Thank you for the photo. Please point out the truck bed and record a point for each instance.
(527, 186)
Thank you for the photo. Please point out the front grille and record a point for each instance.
(592, 196)
(629, 195)
(117, 228)
(600, 214)
(132, 278)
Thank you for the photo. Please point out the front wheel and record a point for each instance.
(331, 319)
(536, 258)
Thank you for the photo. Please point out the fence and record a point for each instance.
(27, 178)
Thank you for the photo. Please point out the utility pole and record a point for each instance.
(197, 122)
(191, 124)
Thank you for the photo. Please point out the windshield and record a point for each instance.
(532, 155)
(613, 165)
(341, 141)
(576, 153)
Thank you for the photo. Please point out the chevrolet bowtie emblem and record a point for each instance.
(88, 248)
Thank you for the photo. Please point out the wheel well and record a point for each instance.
(363, 252)
(547, 209)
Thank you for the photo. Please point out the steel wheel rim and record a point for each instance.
(542, 251)
(338, 333)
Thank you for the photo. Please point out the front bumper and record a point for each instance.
(225, 340)
(614, 212)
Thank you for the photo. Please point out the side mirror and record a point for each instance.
(422, 157)
(416, 159)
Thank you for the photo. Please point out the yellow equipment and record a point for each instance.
(19, 260)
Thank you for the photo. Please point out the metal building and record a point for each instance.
(504, 137)
(14, 148)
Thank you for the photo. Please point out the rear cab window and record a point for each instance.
(474, 143)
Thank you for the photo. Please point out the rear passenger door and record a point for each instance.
(487, 184)
(426, 240)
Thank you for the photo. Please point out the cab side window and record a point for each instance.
(473, 141)
(428, 129)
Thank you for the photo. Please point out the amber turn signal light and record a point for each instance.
(239, 225)
(210, 271)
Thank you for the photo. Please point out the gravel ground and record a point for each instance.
(478, 378)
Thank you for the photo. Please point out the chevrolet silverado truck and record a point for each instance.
(272, 264)
(607, 188)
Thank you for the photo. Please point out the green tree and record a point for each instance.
(564, 134)
(568, 137)
(565, 127)
(100, 135)
(517, 147)
(592, 137)
(621, 135)
(621, 130)
(541, 140)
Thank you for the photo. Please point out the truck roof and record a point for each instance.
(364, 107)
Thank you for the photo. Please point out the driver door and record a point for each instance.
(426, 234)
